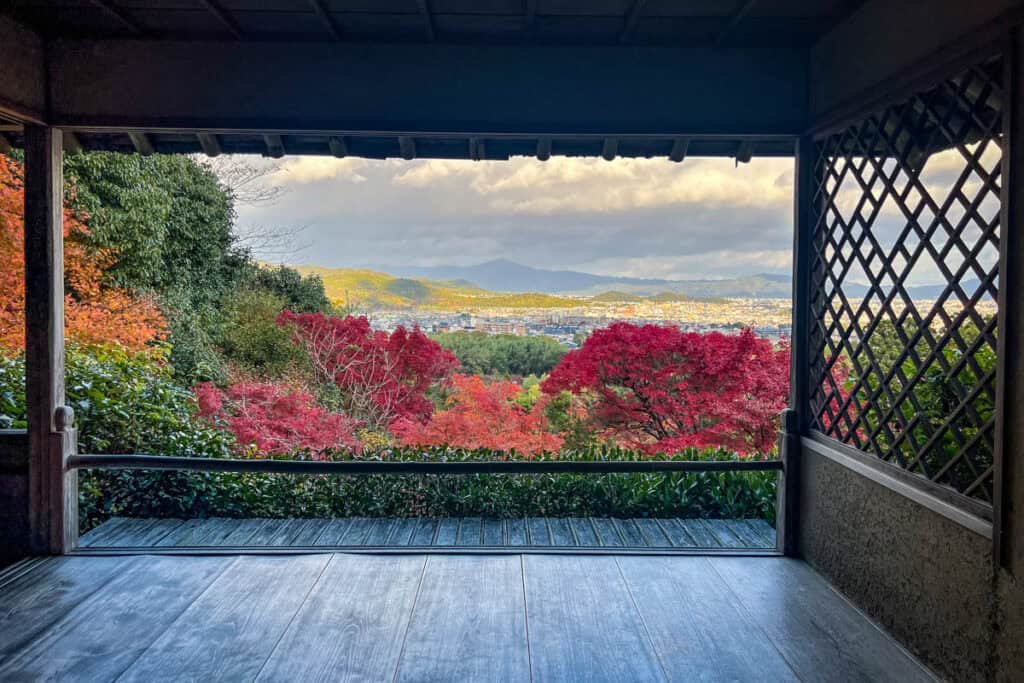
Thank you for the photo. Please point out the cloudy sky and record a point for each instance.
(636, 217)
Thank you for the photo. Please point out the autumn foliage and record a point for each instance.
(94, 312)
(481, 415)
(274, 419)
(659, 389)
(380, 377)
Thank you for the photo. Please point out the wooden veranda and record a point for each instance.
(910, 510)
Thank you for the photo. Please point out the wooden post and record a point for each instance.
(797, 417)
(1008, 474)
(53, 490)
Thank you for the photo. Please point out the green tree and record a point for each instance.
(252, 338)
(502, 355)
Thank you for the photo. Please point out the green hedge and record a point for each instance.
(206, 494)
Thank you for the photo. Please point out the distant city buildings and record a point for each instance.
(766, 317)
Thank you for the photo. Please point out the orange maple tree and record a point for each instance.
(481, 415)
(94, 313)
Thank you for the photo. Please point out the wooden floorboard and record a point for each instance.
(583, 625)
(352, 624)
(822, 637)
(37, 599)
(452, 637)
(105, 633)
(440, 617)
(698, 628)
(446, 532)
(249, 606)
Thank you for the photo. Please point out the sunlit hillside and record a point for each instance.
(369, 289)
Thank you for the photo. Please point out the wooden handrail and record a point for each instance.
(161, 462)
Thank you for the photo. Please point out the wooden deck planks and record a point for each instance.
(352, 624)
(447, 532)
(582, 623)
(230, 630)
(696, 624)
(38, 598)
(822, 637)
(101, 637)
(452, 635)
(435, 617)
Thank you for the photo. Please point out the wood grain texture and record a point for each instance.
(36, 599)
(821, 636)
(583, 530)
(333, 531)
(677, 534)
(701, 535)
(353, 620)
(438, 617)
(404, 531)
(696, 624)
(723, 533)
(469, 623)
(583, 624)
(448, 532)
(105, 633)
(230, 631)
(516, 532)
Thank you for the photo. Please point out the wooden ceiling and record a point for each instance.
(754, 23)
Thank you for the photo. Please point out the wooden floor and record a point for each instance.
(436, 533)
(416, 617)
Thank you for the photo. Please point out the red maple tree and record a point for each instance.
(94, 313)
(381, 377)
(481, 415)
(659, 389)
(275, 420)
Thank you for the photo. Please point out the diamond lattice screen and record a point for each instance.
(904, 281)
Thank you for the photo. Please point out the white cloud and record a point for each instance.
(577, 185)
(302, 170)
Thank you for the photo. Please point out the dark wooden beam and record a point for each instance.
(679, 149)
(72, 145)
(632, 17)
(610, 149)
(744, 152)
(428, 20)
(275, 146)
(121, 16)
(143, 145)
(209, 143)
(23, 75)
(339, 147)
(53, 492)
(326, 18)
(543, 149)
(407, 147)
(1008, 456)
(796, 419)
(336, 88)
(734, 20)
(529, 14)
(223, 17)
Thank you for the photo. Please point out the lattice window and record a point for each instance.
(904, 281)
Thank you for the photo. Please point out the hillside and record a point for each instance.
(362, 289)
(508, 276)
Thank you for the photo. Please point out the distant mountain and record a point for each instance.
(507, 276)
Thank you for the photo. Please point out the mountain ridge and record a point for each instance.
(503, 275)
